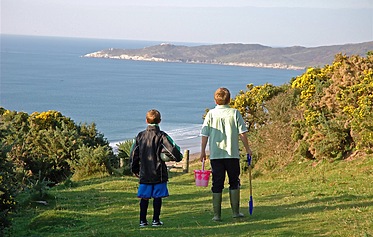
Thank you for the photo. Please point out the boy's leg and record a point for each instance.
(144, 193)
(234, 197)
(144, 203)
(233, 170)
(216, 204)
(157, 205)
(218, 177)
(160, 191)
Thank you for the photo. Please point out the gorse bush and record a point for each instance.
(48, 143)
(8, 183)
(271, 142)
(252, 103)
(44, 149)
(337, 105)
(326, 113)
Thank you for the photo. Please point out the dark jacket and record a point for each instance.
(145, 155)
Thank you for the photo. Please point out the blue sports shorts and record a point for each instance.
(148, 191)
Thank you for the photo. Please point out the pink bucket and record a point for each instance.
(202, 177)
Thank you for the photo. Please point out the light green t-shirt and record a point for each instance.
(223, 125)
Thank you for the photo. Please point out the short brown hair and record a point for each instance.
(222, 96)
(153, 116)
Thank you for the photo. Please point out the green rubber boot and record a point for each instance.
(234, 196)
(216, 203)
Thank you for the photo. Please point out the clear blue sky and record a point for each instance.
(269, 22)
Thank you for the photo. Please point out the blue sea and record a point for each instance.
(48, 73)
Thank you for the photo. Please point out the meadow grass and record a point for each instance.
(302, 199)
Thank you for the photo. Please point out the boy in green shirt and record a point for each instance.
(221, 128)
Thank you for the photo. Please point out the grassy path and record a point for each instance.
(302, 200)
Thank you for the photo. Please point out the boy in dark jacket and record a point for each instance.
(148, 164)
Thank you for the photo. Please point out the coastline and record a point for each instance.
(101, 54)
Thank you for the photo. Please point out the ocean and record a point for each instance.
(48, 73)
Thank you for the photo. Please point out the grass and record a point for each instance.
(303, 199)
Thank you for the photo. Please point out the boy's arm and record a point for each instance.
(203, 147)
(172, 148)
(245, 142)
(135, 159)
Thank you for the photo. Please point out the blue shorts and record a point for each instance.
(148, 191)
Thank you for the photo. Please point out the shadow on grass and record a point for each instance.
(277, 220)
(315, 205)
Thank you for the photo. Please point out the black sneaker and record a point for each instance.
(143, 224)
(157, 223)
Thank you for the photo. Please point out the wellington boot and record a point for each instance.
(216, 203)
(234, 196)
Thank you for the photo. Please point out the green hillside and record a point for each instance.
(303, 199)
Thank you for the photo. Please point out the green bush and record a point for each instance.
(336, 102)
(8, 187)
(92, 160)
(38, 189)
(124, 149)
(252, 103)
(325, 113)
(48, 143)
(330, 140)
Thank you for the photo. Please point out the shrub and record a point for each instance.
(330, 141)
(92, 160)
(8, 187)
(124, 150)
(38, 189)
(48, 142)
(90, 137)
(252, 103)
(336, 102)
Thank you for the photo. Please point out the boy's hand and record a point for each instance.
(137, 175)
(203, 156)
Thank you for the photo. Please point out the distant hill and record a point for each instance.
(251, 55)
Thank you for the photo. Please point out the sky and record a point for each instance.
(277, 23)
